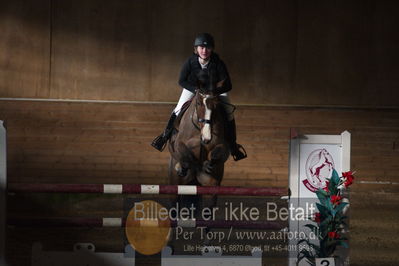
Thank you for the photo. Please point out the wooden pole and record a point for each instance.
(145, 189)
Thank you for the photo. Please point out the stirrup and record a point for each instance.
(239, 153)
(159, 142)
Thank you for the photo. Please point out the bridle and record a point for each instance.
(206, 121)
(205, 97)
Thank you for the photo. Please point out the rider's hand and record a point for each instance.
(220, 84)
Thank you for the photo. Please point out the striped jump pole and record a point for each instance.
(121, 222)
(146, 189)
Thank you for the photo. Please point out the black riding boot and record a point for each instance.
(237, 151)
(159, 142)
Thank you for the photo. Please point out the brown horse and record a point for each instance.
(199, 148)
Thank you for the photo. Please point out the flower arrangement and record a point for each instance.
(330, 220)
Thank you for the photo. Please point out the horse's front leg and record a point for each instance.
(181, 169)
(186, 158)
(218, 155)
(178, 164)
(212, 170)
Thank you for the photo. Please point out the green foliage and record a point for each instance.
(332, 221)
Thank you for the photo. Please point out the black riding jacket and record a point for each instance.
(188, 74)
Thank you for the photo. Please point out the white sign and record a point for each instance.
(312, 161)
(325, 262)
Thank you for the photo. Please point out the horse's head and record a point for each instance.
(206, 100)
(323, 154)
(206, 82)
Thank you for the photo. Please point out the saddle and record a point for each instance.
(183, 109)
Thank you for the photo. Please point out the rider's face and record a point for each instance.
(204, 52)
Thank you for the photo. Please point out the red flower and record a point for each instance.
(333, 235)
(348, 178)
(335, 199)
(317, 217)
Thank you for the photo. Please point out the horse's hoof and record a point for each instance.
(182, 172)
(207, 167)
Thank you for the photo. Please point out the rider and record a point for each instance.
(204, 58)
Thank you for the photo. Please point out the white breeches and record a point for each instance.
(187, 95)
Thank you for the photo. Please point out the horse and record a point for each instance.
(199, 147)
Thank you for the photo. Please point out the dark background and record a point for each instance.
(86, 85)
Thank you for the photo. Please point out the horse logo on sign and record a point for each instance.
(319, 166)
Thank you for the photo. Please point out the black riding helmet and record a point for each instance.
(204, 39)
